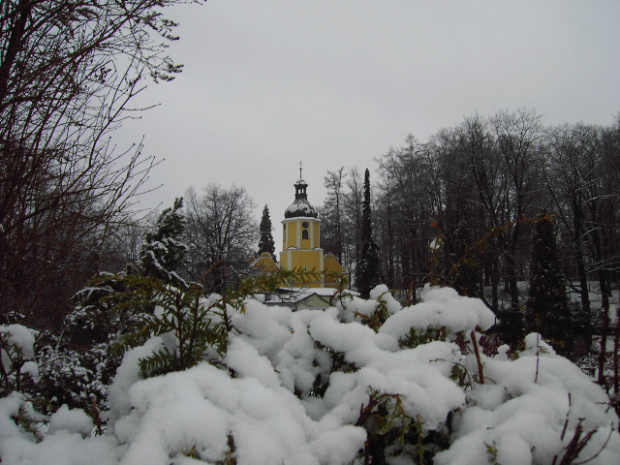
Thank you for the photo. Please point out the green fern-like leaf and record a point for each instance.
(159, 363)
(415, 338)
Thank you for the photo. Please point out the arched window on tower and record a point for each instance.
(304, 234)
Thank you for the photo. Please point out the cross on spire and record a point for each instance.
(300, 167)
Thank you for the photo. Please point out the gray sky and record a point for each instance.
(270, 83)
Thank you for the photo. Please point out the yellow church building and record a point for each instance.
(301, 244)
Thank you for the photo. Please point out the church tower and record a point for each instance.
(301, 248)
(301, 245)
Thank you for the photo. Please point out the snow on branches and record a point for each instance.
(327, 387)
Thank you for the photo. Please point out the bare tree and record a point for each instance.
(582, 175)
(68, 72)
(518, 141)
(452, 188)
(405, 185)
(221, 234)
(331, 213)
(353, 197)
(482, 184)
(571, 163)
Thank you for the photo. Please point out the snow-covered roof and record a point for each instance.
(322, 291)
(313, 297)
(300, 208)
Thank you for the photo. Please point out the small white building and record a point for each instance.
(299, 298)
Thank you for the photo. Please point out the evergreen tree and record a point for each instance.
(368, 275)
(94, 319)
(78, 364)
(547, 306)
(162, 253)
(465, 276)
(265, 243)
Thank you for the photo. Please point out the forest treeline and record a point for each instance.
(469, 198)
(459, 208)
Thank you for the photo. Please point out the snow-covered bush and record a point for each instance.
(77, 378)
(17, 363)
(16, 357)
(323, 387)
(77, 363)
(192, 328)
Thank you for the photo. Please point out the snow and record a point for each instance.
(381, 293)
(17, 353)
(521, 412)
(198, 409)
(72, 421)
(613, 315)
(21, 338)
(440, 307)
(61, 444)
(291, 387)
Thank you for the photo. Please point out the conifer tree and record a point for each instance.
(368, 275)
(78, 364)
(465, 277)
(547, 306)
(265, 243)
(162, 253)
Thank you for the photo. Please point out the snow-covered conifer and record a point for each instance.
(163, 253)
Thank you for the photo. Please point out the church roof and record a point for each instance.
(300, 208)
(298, 298)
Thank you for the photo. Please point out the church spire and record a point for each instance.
(300, 207)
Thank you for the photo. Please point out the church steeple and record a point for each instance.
(301, 246)
(301, 234)
(300, 207)
(300, 190)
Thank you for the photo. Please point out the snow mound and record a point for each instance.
(519, 417)
(440, 308)
(298, 388)
(21, 338)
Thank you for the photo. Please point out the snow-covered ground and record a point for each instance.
(294, 387)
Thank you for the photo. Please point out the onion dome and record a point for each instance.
(300, 208)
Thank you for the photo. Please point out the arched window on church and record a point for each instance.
(304, 234)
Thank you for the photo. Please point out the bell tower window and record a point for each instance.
(304, 234)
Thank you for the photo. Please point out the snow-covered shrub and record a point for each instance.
(77, 378)
(61, 439)
(192, 328)
(16, 357)
(77, 364)
(380, 401)
(530, 412)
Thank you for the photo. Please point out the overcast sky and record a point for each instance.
(270, 83)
